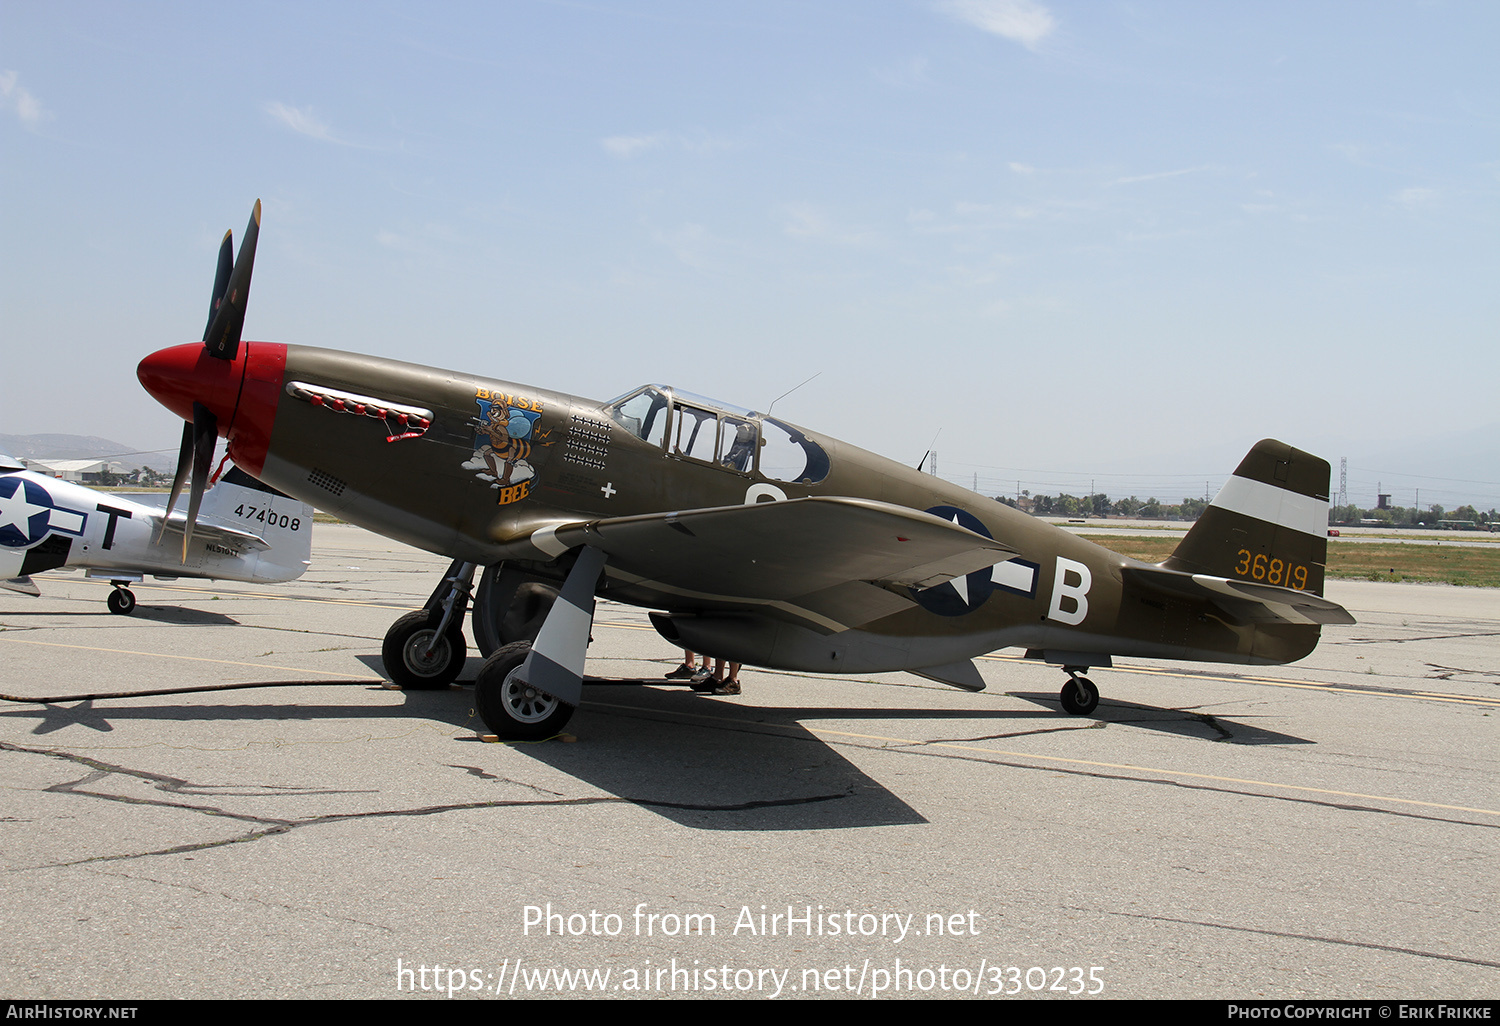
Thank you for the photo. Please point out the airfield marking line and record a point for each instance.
(1092, 764)
(166, 655)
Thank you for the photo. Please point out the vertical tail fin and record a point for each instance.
(283, 523)
(1268, 524)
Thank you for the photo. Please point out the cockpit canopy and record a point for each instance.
(696, 428)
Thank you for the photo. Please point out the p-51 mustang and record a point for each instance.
(248, 533)
(750, 538)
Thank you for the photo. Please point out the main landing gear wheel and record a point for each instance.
(512, 709)
(121, 601)
(1079, 696)
(417, 658)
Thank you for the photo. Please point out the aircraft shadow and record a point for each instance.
(717, 766)
(154, 614)
(700, 762)
(783, 780)
(183, 615)
(1182, 722)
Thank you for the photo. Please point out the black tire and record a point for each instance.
(121, 601)
(406, 647)
(510, 709)
(1079, 696)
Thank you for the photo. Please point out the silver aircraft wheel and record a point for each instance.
(512, 709)
(526, 704)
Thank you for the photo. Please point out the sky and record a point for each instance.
(1069, 245)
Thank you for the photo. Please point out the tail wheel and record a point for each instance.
(122, 601)
(1079, 696)
(417, 658)
(512, 709)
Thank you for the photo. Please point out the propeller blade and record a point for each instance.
(205, 437)
(221, 280)
(222, 339)
(184, 462)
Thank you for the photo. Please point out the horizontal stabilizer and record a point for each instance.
(962, 674)
(25, 585)
(1242, 602)
(216, 533)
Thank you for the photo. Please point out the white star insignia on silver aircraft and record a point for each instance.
(16, 511)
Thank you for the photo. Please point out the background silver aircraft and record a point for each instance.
(245, 531)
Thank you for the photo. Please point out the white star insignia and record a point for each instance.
(16, 512)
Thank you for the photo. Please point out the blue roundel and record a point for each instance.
(962, 594)
(25, 512)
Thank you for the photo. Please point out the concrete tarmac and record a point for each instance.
(1329, 829)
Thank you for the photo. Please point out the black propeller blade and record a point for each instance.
(221, 340)
(205, 437)
(197, 452)
(184, 462)
(221, 280)
(222, 337)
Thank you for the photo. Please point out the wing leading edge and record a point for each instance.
(839, 562)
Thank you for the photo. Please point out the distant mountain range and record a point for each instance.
(84, 447)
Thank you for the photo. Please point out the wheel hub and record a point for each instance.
(525, 703)
(425, 653)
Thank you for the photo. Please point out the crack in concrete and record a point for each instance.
(1420, 637)
(1448, 672)
(1091, 725)
(936, 753)
(270, 825)
(1341, 941)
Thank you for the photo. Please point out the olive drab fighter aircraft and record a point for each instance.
(748, 537)
(248, 533)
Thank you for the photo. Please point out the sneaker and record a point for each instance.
(728, 687)
(683, 672)
(703, 680)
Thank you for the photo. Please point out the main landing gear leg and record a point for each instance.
(1078, 696)
(426, 649)
(526, 691)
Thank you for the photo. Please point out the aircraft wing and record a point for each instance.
(1241, 602)
(843, 560)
